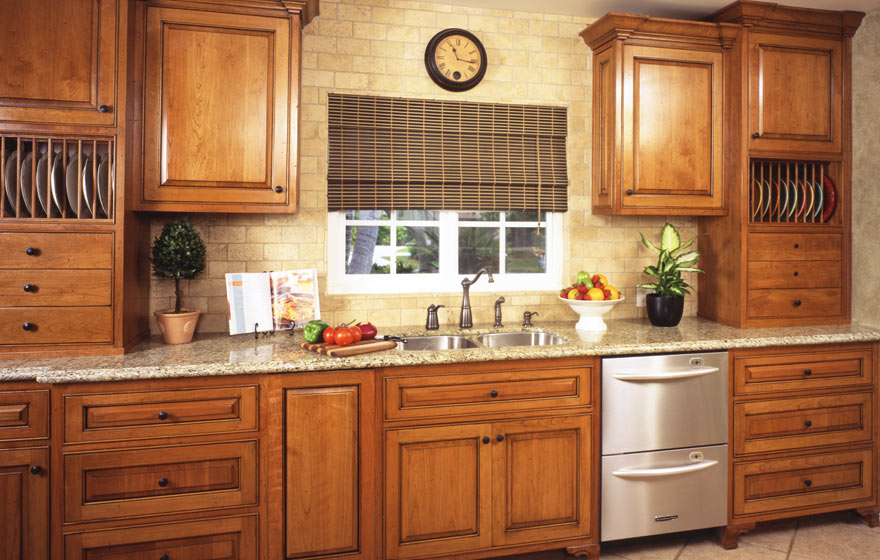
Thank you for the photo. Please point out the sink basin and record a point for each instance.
(436, 342)
(519, 339)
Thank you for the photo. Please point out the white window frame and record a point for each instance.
(340, 283)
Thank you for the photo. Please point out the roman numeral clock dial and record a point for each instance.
(455, 59)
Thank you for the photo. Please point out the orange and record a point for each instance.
(596, 294)
(573, 294)
(614, 293)
(602, 279)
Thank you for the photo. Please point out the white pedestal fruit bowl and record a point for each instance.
(591, 312)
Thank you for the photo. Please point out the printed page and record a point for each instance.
(250, 303)
(294, 298)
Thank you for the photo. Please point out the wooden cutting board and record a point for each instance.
(353, 349)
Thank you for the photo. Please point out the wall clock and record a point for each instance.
(455, 59)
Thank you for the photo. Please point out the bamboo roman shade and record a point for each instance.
(417, 154)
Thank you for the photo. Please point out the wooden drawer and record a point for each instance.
(159, 480)
(795, 247)
(53, 288)
(790, 424)
(794, 274)
(450, 395)
(774, 373)
(53, 325)
(226, 538)
(56, 250)
(24, 415)
(827, 302)
(152, 414)
(812, 481)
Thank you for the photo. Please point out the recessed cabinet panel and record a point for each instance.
(795, 93)
(24, 504)
(604, 130)
(216, 109)
(59, 61)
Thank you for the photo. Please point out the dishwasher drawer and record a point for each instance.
(663, 492)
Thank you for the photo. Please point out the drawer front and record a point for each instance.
(446, 395)
(227, 538)
(163, 480)
(125, 416)
(827, 302)
(795, 247)
(794, 274)
(794, 372)
(56, 250)
(24, 415)
(802, 482)
(53, 288)
(55, 325)
(793, 424)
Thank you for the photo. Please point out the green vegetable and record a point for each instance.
(314, 330)
(671, 262)
(583, 279)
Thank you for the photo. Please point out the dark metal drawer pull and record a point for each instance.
(163, 482)
(30, 288)
(808, 423)
(808, 482)
(493, 394)
(32, 251)
(797, 303)
(499, 437)
(486, 439)
(162, 415)
(808, 372)
(29, 326)
(36, 469)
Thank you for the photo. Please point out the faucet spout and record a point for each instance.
(466, 319)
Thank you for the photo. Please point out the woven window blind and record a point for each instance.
(414, 154)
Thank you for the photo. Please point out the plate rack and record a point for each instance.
(791, 192)
(57, 178)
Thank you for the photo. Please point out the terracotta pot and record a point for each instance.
(177, 328)
(664, 311)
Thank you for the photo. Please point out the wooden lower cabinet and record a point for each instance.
(24, 504)
(470, 487)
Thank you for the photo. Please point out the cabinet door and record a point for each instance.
(795, 93)
(541, 476)
(216, 111)
(24, 504)
(671, 130)
(437, 490)
(59, 61)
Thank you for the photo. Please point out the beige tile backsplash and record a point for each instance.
(377, 47)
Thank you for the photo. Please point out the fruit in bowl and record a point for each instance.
(591, 297)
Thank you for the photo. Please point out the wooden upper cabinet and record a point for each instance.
(795, 93)
(657, 115)
(220, 101)
(59, 61)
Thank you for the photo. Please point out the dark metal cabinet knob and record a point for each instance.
(808, 482)
(486, 440)
(279, 189)
(756, 135)
(32, 251)
(162, 415)
(164, 557)
(494, 393)
(163, 482)
(796, 245)
(499, 437)
(808, 372)
(629, 191)
(104, 108)
(797, 303)
(795, 272)
(30, 288)
(36, 469)
(29, 327)
(808, 423)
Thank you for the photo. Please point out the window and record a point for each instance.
(412, 251)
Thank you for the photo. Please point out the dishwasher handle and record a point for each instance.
(668, 471)
(666, 375)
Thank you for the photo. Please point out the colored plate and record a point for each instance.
(88, 185)
(10, 182)
(58, 182)
(817, 210)
(760, 203)
(43, 181)
(782, 186)
(71, 184)
(830, 198)
(768, 202)
(794, 197)
(27, 181)
(104, 185)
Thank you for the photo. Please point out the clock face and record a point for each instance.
(455, 59)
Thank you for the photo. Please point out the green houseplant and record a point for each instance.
(178, 253)
(666, 304)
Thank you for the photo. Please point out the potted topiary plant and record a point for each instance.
(178, 253)
(666, 304)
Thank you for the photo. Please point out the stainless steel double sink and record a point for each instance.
(489, 340)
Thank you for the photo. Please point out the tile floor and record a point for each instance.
(834, 536)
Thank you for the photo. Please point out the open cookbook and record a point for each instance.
(270, 301)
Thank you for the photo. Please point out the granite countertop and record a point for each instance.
(234, 355)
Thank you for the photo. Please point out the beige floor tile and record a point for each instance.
(776, 535)
(709, 549)
(648, 548)
(840, 536)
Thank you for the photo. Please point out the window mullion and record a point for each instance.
(449, 246)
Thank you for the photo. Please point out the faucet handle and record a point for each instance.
(527, 318)
(432, 323)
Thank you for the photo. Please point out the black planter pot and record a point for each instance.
(665, 311)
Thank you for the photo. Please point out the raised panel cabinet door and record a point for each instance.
(216, 110)
(59, 61)
(672, 144)
(795, 93)
(605, 128)
(321, 449)
(24, 504)
(437, 490)
(541, 479)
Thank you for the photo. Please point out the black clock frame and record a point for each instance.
(435, 73)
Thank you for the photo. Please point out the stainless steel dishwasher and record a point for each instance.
(664, 444)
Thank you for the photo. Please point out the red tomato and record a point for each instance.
(344, 336)
(330, 335)
(357, 332)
